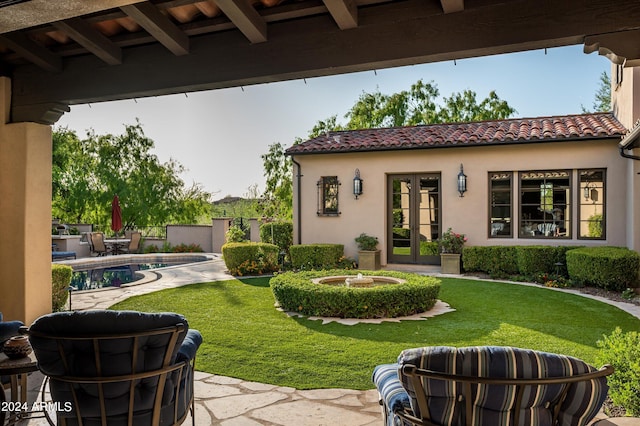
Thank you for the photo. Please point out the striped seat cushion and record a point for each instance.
(392, 395)
(494, 404)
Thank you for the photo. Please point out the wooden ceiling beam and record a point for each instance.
(403, 33)
(344, 12)
(32, 51)
(246, 18)
(451, 6)
(91, 39)
(159, 26)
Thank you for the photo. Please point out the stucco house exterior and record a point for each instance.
(557, 180)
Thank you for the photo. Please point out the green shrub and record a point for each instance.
(187, 248)
(494, 260)
(278, 233)
(235, 234)
(150, 248)
(250, 258)
(622, 351)
(295, 292)
(316, 256)
(429, 248)
(366, 242)
(533, 260)
(595, 226)
(60, 279)
(611, 268)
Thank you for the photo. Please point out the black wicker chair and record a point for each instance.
(117, 367)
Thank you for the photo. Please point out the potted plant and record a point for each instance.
(451, 245)
(368, 253)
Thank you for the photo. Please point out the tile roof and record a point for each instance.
(498, 132)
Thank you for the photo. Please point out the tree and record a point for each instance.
(88, 173)
(602, 97)
(418, 105)
(277, 199)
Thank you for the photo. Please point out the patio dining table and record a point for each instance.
(116, 245)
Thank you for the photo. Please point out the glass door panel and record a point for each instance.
(414, 218)
(401, 216)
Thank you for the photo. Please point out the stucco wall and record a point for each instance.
(190, 234)
(468, 214)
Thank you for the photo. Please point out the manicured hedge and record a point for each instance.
(278, 233)
(611, 268)
(315, 256)
(295, 292)
(250, 258)
(534, 260)
(60, 279)
(511, 260)
(494, 260)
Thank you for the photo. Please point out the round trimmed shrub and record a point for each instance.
(611, 268)
(295, 292)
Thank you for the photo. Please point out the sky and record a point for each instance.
(219, 135)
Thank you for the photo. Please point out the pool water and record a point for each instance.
(112, 276)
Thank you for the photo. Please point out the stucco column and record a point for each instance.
(254, 230)
(25, 215)
(219, 232)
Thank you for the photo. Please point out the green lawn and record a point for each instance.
(246, 337)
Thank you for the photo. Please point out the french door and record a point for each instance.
(414, 218)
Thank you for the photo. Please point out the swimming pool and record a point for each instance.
(116, 271)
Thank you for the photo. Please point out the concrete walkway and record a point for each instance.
(228, 401)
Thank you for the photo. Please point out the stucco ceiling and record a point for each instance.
(73, 51)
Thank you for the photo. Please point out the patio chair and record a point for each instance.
(489, 385)
(134, 244)
(8, 329)
(117, 367)
(97, 244)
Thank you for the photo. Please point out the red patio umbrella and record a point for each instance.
(116, 215)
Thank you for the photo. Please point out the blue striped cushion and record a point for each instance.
(494, 403)
(392, 394)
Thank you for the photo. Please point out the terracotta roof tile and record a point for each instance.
(519, 130)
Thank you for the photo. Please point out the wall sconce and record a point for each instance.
(357, 184)
(587, 191)
(462, 182)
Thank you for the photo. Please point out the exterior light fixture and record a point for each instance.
(462, 182)
(587, 192)
(357, 184)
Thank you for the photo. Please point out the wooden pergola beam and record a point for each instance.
(32, 52)
(246, 18)
(314, 46)
(344, 12)
(451, 6)
(159, 26)
(91, 39)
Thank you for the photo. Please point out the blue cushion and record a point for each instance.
(392, 395)
(189, 346)
(8, 329)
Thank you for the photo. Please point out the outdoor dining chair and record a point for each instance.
(489, 385)
(134, 244)
(97, 243)
(117, 367)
